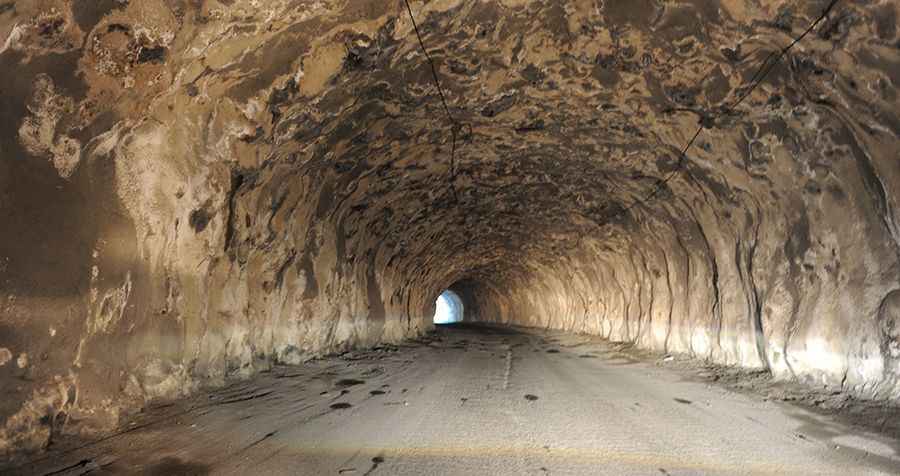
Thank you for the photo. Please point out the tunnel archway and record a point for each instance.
(448, 308)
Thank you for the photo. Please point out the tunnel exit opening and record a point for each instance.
(448, 308)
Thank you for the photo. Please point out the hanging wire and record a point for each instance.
(456, 127)
(707, 120)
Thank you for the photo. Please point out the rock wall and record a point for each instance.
(191, 191)
(718, 291)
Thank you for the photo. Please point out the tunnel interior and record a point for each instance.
(193, 192)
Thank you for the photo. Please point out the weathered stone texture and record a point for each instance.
(191, 191)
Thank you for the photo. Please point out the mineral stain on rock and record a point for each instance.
(151, 54)
(198, 219)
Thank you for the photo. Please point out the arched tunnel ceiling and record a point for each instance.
(214, 185)
(565, 129)
(575, 110)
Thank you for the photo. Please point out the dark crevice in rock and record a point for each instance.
(239, 179)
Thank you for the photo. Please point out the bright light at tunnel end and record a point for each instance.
(448, 308)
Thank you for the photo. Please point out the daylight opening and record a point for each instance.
(448, 308)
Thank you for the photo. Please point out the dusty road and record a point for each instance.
(480, 401)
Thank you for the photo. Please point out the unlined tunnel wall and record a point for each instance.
(191, 191)
(815, 298)
(791, 285)
(199, 274)
(150, 244)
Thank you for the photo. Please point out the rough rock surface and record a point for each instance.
(196, 190)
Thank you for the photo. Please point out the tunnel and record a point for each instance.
(197, 197)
